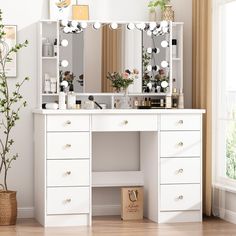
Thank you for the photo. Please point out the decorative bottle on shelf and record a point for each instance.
(174, 48)
(181, 99)
(47, 84)
(55, 47)
(62, 99)
(175, 98)
(47, 49)
(71, 98)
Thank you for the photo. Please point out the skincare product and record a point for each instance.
(47, 49)
(181, 99)
(55, 47)
(174, 48)
(62, 99)
(89, 105)
(53, 85)
(51, 106)
(175, 98)
(71, 99)
(168, 102)
(162, 103)
(78, 104)
(47, 86)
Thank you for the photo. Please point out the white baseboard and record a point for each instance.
(25, 212)
(225, 214)
(106, 210)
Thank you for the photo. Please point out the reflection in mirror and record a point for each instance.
(95, 50)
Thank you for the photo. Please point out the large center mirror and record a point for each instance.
(88, 54)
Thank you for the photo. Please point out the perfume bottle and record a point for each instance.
(71, 98)
(175, 98)
(62, 99)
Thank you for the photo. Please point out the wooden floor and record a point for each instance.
(113, 226)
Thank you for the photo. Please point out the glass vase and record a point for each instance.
(125, 100)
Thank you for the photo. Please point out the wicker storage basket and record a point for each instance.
(8, 208)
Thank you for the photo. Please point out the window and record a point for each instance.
(224, 89)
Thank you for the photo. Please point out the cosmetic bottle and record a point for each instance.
(174, 48)
(62, 99)
(175, 98)
(55, 48)
(53, 85)
(168, 102)
(71, 98)
(78, 104)
(47, 49)
(181, 99)
(47, 84)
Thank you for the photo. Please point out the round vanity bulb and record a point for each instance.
(97, 25)
(164, 64)
(64, 63)
(164, 23)
(149, 68)
(131, 26)
(149, 50)
(64, 23)
(114, 25)
(141, 26)
(74, 23)
(64, 42)
(165, 29)
(152, 25)
(149, 33)
(64, 83)
(164, 84)
(83, 25)
(67, 30)
(164, 44)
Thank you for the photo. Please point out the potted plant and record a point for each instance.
(166, 9)
(11, 102)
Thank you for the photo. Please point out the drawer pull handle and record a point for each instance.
(126, 122)
(181, 144)
(180, 171)
(68, 200)
(68, 173)
(181, 122)
(181, 197)
(68, 122)
(68, 145)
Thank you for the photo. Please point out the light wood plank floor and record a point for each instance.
(113, 226)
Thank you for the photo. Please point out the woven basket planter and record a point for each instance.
(8, 208)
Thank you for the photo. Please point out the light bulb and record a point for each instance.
(97, 25)
(67, 30)
(74, 23)
(149, 50)
(64, 23)
(141, 26)
(164, 23)
(64, 42)
(152, 25)
(114, 25)
(164, 44)
(64, 63)
(149, 68)
(64, 83)
(149, 33)
(165, 29)
(131, 26)
(164, 84)
(164, 64)
(83, 25)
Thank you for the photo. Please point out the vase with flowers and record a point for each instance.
(120, 83)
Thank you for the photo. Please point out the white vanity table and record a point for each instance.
(170, 163)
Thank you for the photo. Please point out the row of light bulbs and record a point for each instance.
(151, 28)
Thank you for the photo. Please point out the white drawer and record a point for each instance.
(67, 145)
(180, 170)
(67, 200)
(180, 197)
(68, 173)
(181, 144)
(67, 123)
(124, 123)
(181, 122)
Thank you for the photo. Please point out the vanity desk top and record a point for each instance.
(119, 111)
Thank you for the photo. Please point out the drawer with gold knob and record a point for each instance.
(67, 173)
(180, 170)
(180, 144)
(180, 197)
(68, 145)
(124, 122)
(70, 200)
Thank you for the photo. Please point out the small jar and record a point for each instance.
(78, 104)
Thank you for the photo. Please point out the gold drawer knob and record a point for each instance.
(68, 145)
(181, 122)
(126, 122)
(181, 197)
(68, 172)
(68, 122)
(180, 144)
(68, 200)
(180, 171)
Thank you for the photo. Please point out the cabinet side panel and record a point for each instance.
(39, 166)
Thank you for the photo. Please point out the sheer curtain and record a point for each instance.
(202, 87)
(224, 107)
